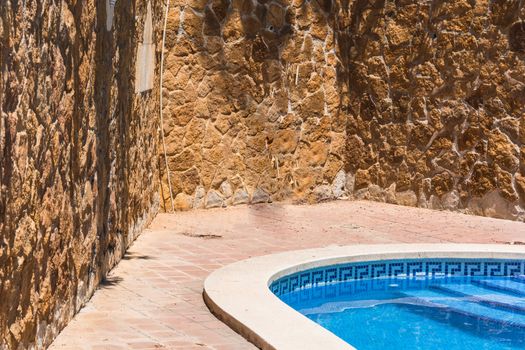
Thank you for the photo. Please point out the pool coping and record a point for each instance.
(239, 294)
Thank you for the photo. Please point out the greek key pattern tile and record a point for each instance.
(397, 269)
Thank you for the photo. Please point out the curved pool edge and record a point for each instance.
(239, 294)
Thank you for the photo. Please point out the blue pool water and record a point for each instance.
(412, 311)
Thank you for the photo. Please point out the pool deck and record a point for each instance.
(153, 298)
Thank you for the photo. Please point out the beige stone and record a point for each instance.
(183, 202)
(214, 200)
(407, 198)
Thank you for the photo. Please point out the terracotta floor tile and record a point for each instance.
(157, 301)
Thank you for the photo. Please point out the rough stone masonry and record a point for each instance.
(414, 102)
(78, 149)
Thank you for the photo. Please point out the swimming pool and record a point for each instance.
(414, 304)
(404, 296)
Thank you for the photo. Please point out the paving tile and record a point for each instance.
(156, 302)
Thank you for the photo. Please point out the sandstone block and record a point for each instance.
(214, 200)
(198, 201)
(407, 198)
(260, 196)
(240, 197)
(323, 193)
(183, 202)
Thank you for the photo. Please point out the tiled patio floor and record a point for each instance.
(153, 298)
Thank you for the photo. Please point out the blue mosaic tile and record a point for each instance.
(396, 268)
(494, 269)
(514, 269)
(408, 272)
(362, 272)
(434, 268)
(346, 273)
(473, 269)
(318, 277)
(331, 275)
(453, 268)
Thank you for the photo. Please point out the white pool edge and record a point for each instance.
(239, 294)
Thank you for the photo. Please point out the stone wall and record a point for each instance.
(436, 111)
(78, 169)
(251, 112)
(413, 102)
